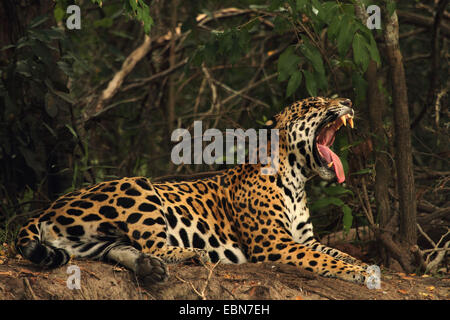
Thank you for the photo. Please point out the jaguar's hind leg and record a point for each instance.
(147, 267)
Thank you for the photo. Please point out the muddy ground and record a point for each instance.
(21, 280)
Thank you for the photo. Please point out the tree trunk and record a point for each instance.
(403, 150)
(377, 108)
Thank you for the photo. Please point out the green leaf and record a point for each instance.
(337, 191)
(301, 5)
(103, 23)
(281, 25)
(23, 68)
(275, 5)
(313, 55)
(373, 50)
(360, 51)
(287, 63)
(333, 26)
(349, 9)
(43, 53)
(311, 85)
(121, 34)
(294, 83)
(328, 10)
(59, 13)
(32, 161)
(347, 219)
(133, 4)
(72, 131)
(52, 132)
(325, 202)
(351, 145)
(347, 29)
(38, 21)
(363, 171)
(50, 105)
(54, 33)
(390, 6)
(322, 81)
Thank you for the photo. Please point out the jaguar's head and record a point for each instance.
(308, 128)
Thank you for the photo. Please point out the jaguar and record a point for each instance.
(234, 215)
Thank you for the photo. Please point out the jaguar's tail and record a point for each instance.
(30, 246)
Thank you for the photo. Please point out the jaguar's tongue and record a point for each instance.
(331, 157)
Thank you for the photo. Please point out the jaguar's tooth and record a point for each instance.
(330, 164)
(344, 120)
(350, 121)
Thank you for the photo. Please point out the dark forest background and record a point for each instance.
(83, 106)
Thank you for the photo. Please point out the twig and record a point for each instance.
(425, 235)
(241, 94)
(143, 81)
(421, 21)
(28, 286)
(24, 214)
(201, 293)
(116, 82)
(430, 266)
(435, 215)
(200, 92)
(90, 272)
(257, 83)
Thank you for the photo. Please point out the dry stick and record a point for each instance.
(433, 264)
(212, 86)
(114, 85)
(425, 235)
(368, 215)
(412, 33)
(421, 21)
(199, 95)
(241, 94)
(235, 94)
(28, 286)
(24, 214)
(257, 83)
(214, 105)
(441, 252)
(201, 293)
(434, 215)
(142, 81)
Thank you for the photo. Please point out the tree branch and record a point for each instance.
(421, 21)
(116, 82)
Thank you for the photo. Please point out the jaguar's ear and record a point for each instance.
(271, 123)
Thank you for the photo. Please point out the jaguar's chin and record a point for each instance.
(326, 174)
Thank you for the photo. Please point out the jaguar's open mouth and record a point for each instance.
(324, 140)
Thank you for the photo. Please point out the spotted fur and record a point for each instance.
(236, 215)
